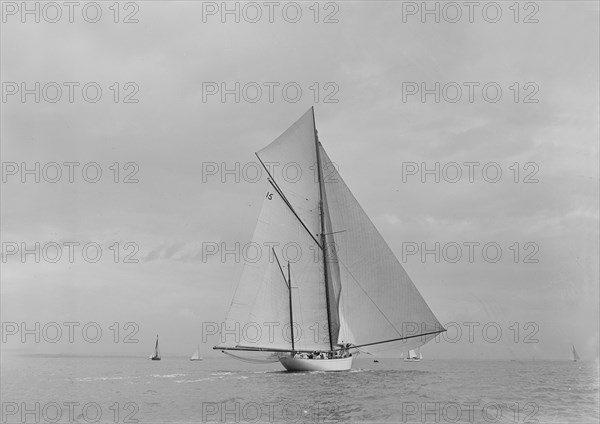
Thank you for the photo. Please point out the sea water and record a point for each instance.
(110, 389)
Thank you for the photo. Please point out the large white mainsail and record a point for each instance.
(346, 284)
(378, 299)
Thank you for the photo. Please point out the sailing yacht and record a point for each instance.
(414, 356)
(345, 291)
(156, 355)
(196, 356)
(574, 355)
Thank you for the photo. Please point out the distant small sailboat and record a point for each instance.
(414, 356)
(156, 355)
(196, 356)
(574, 354)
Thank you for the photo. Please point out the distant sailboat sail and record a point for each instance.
(346, 288)
(414, 355)
(196, 356)
(156, 355)
(574, 354)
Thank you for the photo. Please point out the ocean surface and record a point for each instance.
(46, 388)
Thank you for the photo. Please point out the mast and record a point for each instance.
(291, 315)
(323, 247)
(289, 286)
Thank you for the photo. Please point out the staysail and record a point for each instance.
(346, 284)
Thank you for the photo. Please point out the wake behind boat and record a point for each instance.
(345, 290)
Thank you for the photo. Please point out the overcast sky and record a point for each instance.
(366, 61)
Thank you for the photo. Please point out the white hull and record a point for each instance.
(301, 364)
(412, 359)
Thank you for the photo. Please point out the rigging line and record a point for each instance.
(363, 290)
(258, 349)
(401, 338)
(335, 232)
(296, 195)
(285, 200)
(280, 268)
(301, 210)
(278, 190)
